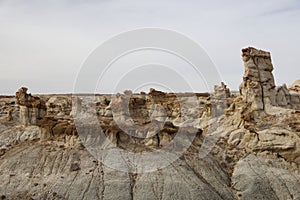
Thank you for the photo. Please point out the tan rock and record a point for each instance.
(258, 87)
(295, 86)
(31, 108)
(246, 145)
(59, 105)
(164, 139)
(9, 116)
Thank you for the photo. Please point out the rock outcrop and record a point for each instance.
(258, 87)
(9, 116)
(219, 101)
(241, 145)
(31, 108)
(295, 86)
(264, 115)
(58, 106)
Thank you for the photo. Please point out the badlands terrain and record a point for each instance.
(224, 145)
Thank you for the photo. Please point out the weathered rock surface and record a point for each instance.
(242, 145)
(266, 177)
(31, 108)
(258, 87)
(295, 86)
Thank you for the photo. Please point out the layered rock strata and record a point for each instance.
(31, 108)
(246, 145)
(258, 86)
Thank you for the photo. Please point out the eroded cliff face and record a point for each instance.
(241, 145)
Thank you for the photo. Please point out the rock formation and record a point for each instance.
(9, 116)
(295, 86)
(219, 101)
(258, 87)
(31, 108)
(243, 145)
(58, 106)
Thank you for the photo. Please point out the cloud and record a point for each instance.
(44, 43)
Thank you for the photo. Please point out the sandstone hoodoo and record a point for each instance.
(241, 145)
(31, 108)
(258, 87)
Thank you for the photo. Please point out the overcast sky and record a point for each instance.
(44, 43)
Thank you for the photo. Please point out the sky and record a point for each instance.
(43, 44)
